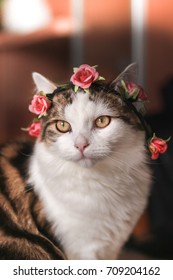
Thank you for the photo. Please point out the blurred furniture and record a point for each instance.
(45, 51)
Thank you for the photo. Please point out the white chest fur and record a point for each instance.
(92, 210)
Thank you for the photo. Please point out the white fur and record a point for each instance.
(92, 200)
(43, 84)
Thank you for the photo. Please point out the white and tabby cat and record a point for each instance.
(89, 168)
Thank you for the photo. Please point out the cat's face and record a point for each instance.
(85, 128)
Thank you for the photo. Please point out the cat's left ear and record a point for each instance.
(42, 83)
(128, 75)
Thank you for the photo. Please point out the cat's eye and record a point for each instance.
(102, 121)
(63, 126)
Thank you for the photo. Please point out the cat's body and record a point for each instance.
(89, 170)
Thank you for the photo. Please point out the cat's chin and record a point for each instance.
(86, 162)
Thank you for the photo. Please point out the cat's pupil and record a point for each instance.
(103, 121)
(63, 126)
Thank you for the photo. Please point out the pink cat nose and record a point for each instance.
(81, 143)
(81, 147)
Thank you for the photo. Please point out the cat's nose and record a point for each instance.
(81, 147)
(81, 144)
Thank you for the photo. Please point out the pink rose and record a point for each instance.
(157, 146)
(136, 92)
(35, 129)
(84, 76)
(39, 105)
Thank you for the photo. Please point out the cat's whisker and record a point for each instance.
(137, 170)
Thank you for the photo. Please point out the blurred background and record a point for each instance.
(52, 36)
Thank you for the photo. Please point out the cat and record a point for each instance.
(89, 168)
(79, 190)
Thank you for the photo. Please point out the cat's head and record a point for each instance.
(86, 127)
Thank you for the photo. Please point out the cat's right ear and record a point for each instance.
(42, 83)
(128, 75)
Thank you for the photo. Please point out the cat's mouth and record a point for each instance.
(86, 160)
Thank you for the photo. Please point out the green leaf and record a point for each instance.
(95, 66)
(75, 69)
(86, 90)
(124, 85)
(76, 88)
(36, 119)
(134, 93)
(101, 78)
(121, 91)
(64, 85)
(42, 93)
(24, 129)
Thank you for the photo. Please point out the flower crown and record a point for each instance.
(130, 93)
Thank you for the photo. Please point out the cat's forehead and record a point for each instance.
(83, 108)
(97, 102)
(82, 101)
